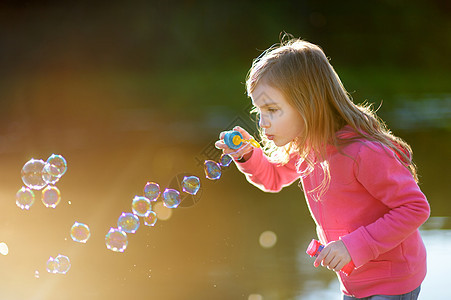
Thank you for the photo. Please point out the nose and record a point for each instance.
(264, 122)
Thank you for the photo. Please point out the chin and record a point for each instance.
(280, 143)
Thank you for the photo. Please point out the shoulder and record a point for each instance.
(364, 148)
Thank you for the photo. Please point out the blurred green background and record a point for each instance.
(137, 91)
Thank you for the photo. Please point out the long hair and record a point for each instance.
(302, 73)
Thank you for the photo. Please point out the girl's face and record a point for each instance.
(280, 122)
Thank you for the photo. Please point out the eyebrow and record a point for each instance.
(266, 104)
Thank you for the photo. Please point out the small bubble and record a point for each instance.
(141, 206)
(56, 165)
(225, 160)
(212, 170)
(32, 174)
(63, 264)
(171, 198)
(36, 274)
(52, 265)
(80, 232)
(25, 198)
(191, 184)
(128, 222)
(116, 240)
(151, 219)
(152, 191)
(51, 196)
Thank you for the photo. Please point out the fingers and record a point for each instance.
(322, 255)
(334, 256)
(243, 132)
(221, 145)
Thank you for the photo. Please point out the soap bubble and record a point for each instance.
(225, 160)
(191, 184)
(25, 198)
(49, 179)
(116, 240)
(32, 174)
(141, 206)
(212, 170)
(171, 198)
(152, 191)
(187, 200)
(151, 219)
(63, 264)
(80, 232)
(128, 222)
(52, 265)
(51, 196)
(36, 274)
(58, 265)
(56, 165)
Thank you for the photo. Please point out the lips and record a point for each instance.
(269, 137)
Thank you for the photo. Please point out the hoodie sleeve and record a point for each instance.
(389, 181)
(268, 176)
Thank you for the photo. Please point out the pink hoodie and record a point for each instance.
(372, 204)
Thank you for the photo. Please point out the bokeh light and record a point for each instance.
(162, 212)
(267, 239)
(4, 250)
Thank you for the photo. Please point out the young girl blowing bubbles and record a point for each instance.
(358, 178)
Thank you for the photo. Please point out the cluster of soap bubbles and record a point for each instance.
(39, 175)
(128, 222)
(58, 265)
(213, 169)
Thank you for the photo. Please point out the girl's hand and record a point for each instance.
(334, 256)
(245, 151)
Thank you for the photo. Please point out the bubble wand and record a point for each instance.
(234, 140)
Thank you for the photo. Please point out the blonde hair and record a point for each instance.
(302, 73)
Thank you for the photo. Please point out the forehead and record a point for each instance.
(265, 94)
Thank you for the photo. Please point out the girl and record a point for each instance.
(358, 179)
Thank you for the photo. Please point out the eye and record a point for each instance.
(271, 110)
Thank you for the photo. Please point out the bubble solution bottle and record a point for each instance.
(316, 247)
